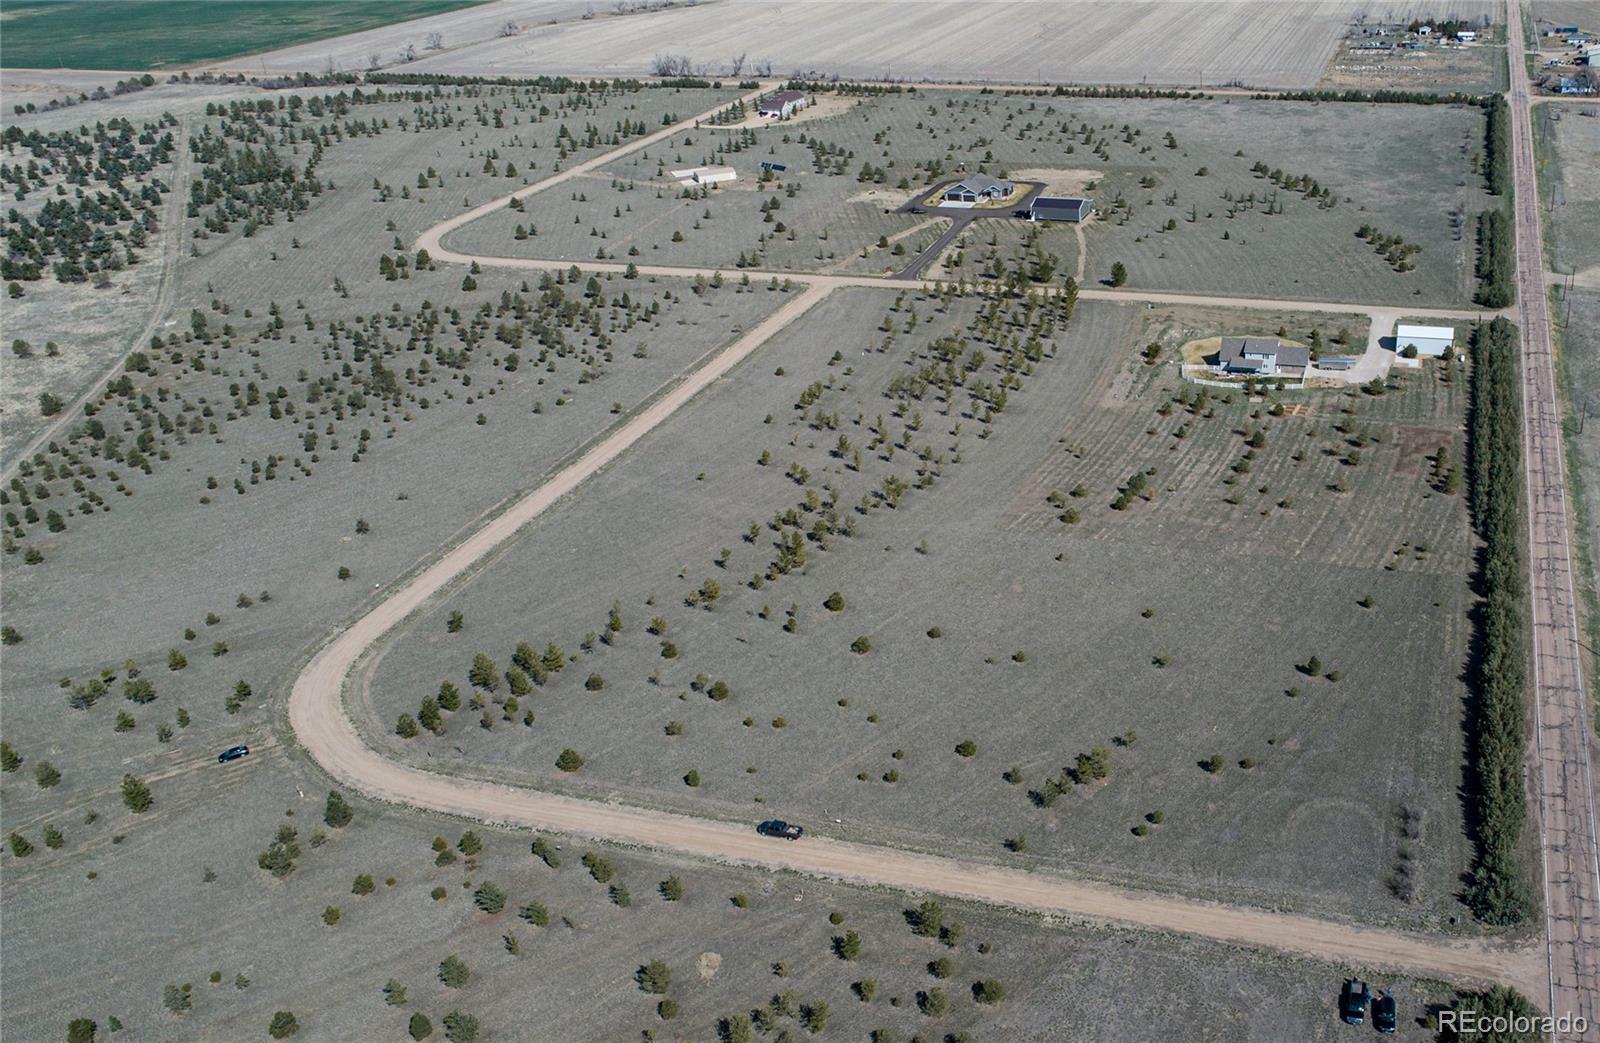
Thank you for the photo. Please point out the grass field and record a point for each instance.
(155, 34)
(1040, 648)
(961, 470)
(1229, 230)
(269, 948)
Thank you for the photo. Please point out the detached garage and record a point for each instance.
(1059, 208)
(1433, 341)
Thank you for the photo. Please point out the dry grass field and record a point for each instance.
(184, 881)
(988, 618)
(302, 259)
(1162, 42)
(932, 569)
(1198, 212)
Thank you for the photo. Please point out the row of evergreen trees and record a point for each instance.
(1497, 265)
(1497, 145)
(1499, 892)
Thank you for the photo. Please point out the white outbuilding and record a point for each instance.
(705, 175)
(1433, 341)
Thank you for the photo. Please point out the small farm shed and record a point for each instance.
(1428, 340)
(1060, 208)
(705, 175)
(1261, 356)
(977, 188)
(781, 104)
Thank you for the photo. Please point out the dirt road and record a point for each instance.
(1563, 782)
(321, 725)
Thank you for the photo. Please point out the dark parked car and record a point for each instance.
(779, 828)
(233, 753)
(1383, 1014)
(1353, 1002)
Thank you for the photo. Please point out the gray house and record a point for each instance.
(977, 188)
(1260, 356)
(1060, 208)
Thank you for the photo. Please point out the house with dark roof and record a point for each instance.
(977, 188)
(1060, 208)
(1260, 356)
(781, 104)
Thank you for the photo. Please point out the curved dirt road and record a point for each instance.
(320, 723)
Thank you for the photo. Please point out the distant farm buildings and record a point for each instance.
(705, 175)
(782, 104)
(1260, 356)
(1060, 208)
(1432, 341)
(978, 188)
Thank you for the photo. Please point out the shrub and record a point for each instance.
(363, 885)
(861, 645)
(691, 778)
(420, 1027)
(594, 682)
(967, 748)
(489, 897)
(136, 794)
(336, 812)
(438, 894)
(81, 1030)
(453, 973)
(460, 1027)
(834, 602)
(394, 993)
(654, 977)
(569, 760)
(46, 774)
(330, 915)
(989, 990)
(283, 1025)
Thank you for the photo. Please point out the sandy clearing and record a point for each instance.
(1059, 181)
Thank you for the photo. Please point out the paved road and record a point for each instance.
(320, 723)
(1563, 782)
(960, 217)
(171, 250)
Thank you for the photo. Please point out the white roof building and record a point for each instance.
(705, 175)
(1428, 340)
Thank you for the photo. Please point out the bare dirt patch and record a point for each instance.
(1058, 181)
(1413, 445)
